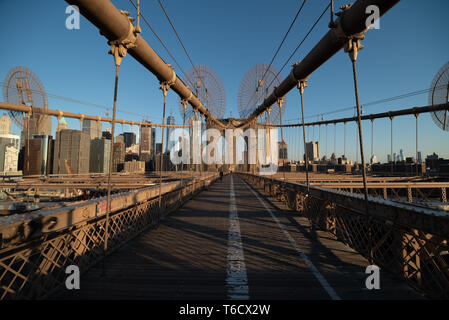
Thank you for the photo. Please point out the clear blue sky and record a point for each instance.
(230, 37)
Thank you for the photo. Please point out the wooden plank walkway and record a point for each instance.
(196, 253)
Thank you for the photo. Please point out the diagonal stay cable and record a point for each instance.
(275, 54)
(163, 44)
(177, 35)
(304, 39)
(285, 37)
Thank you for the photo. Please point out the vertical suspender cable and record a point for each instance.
(111, 157)
(416, 145)
(354, 46)
(301, 85)
(280, 102)
(164, 88)
(391, 145)
(372, 138)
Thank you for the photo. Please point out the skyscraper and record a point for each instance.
(38, 158)
(92, 128)
(169, 144)
(72, 149)
(313, 150)
(5, 124)
(129, 138)
(9, 152)
(100, 151)
(145, 139)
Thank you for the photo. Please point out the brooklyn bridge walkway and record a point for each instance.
(232, 242)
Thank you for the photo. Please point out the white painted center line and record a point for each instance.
(236, 280)
(315, 271)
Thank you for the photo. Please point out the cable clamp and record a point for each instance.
(302, 84)
(120, 47)
(165, 85)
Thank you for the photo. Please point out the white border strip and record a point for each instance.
(237, 279)
(315, 271)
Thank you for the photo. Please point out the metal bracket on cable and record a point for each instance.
(165, 85)
(120, 47)
(353, 46)
(302, 84)
(337, 28)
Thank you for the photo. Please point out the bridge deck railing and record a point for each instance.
(409, 242)
(36, 249)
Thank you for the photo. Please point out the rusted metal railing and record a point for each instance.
(408, 241)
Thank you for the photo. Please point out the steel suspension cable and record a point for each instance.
(177, 35)
(163, 44)
(300, 44)
(283, 39)
(301, 86)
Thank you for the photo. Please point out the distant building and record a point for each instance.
(373, 159)
(401, 155)
(134, 166)
(133, 149)
(147, 140)
(11, 159)
(62, 125)
(5, 124)
(119, 138)
(169, 144)
(92, 128)
(100, 151)
(343, 160)
(283, 152)
(106, 134)
(158, 148)
(129, 138)
(118, 157)
(419, 157)
(388, 158)
(433, 156)
(313, 151)
(9, 147)
(334, 159)
(38, 155)
(72, 148)
(39, 124)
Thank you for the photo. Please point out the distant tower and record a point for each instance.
(5, 124)
(62, 125)
(419, 157)
(401, 155)
(373, 159)
(313, 151)
(145, 139)
(92, 128)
